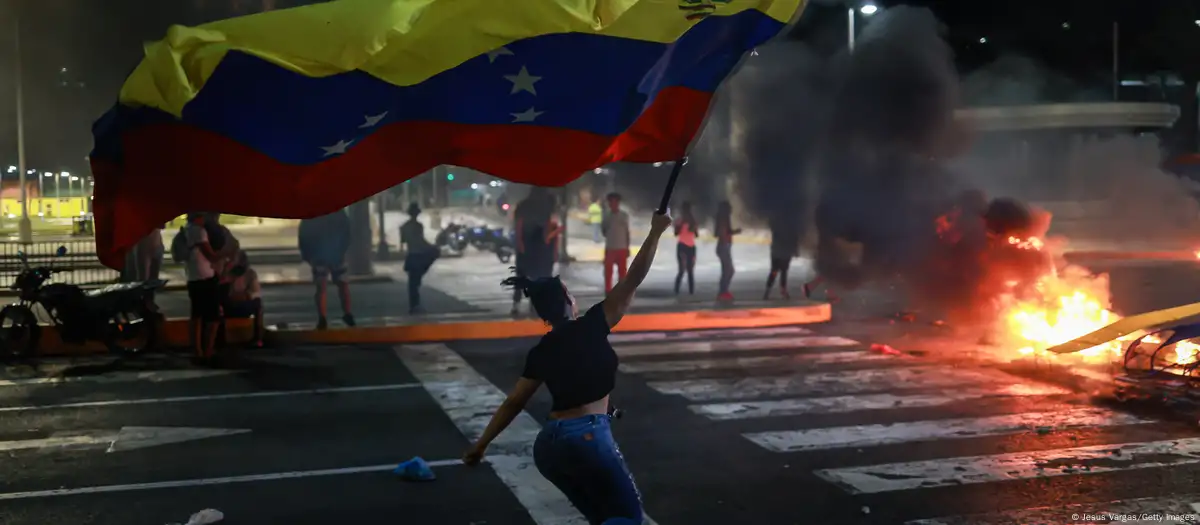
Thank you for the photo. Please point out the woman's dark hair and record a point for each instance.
(724, 216)
(547, 295)
(687, 217)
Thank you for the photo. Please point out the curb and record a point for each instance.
(175, 286)
(174, 332)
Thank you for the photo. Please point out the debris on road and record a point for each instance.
(884, 349)
(205, 517)
(415, 469)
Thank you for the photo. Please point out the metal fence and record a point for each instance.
(80, 258)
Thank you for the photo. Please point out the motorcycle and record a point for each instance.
(122, 316)
(453, 237)
(481, 237)
(504, 246)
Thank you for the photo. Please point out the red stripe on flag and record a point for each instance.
(172, 169)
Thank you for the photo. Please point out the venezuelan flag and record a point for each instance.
(299, 112)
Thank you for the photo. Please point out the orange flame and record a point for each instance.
(1057, 308)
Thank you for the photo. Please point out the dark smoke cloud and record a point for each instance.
(872, 130)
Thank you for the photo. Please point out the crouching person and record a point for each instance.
(245, 298)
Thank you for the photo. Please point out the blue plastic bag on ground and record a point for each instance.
(415, 469)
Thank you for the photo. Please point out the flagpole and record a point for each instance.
(666, 198)
(24, 228)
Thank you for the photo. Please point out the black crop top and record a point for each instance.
(575, 361)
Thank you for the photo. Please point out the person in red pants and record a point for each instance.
(616, 241)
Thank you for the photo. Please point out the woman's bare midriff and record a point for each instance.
(599, 406)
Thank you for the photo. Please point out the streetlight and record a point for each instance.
(24, 227)
(867, 9)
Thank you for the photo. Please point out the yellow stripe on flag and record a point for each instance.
(403, 42)
(1128, 326)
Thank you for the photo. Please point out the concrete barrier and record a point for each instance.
(179, 286)
(174, 332)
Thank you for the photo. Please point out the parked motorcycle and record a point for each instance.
(122, 316)
(482, 238)
(453, 237)
(504, 246)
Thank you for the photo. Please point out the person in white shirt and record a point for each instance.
(203, 288)
(245, 295)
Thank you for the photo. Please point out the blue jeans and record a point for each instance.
(580, 457)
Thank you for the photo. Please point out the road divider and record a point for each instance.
(178, 285)
(174, 332)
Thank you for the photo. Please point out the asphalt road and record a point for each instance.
(774, 426)
(778, 426)
(372, 303)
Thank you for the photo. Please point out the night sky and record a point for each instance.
(76, 53)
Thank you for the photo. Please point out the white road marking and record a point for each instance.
(214, 397)
(1020, 465)
(127, 438)
(696, 365)
(963, 428)
(641, 337)
(730, 345)
(1171, 509)
(469, 400)
(103, 489)
(156, 376)
(847, 382)
(843, 404)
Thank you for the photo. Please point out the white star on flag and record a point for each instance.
(526, 116)
(497, 53)
(522, 81)
(370, 121)
(337, 149)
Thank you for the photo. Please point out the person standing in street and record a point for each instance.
(724, 231)
(324, 242)
(596, 219)
(531, 226)
(785, 245)
(685, 248)
(203, 288)
(616, 241)
(419, 256)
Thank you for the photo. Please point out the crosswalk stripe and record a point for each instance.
(640, 337)
(469, 399)
(963, 428)
(1183, 509)
(699, 347)
(1014, 466)
(855, 403)
(846, 382)
(698, 365)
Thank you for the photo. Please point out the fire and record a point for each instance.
(1183, 353)
(1065, 304)
(1058, 307)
